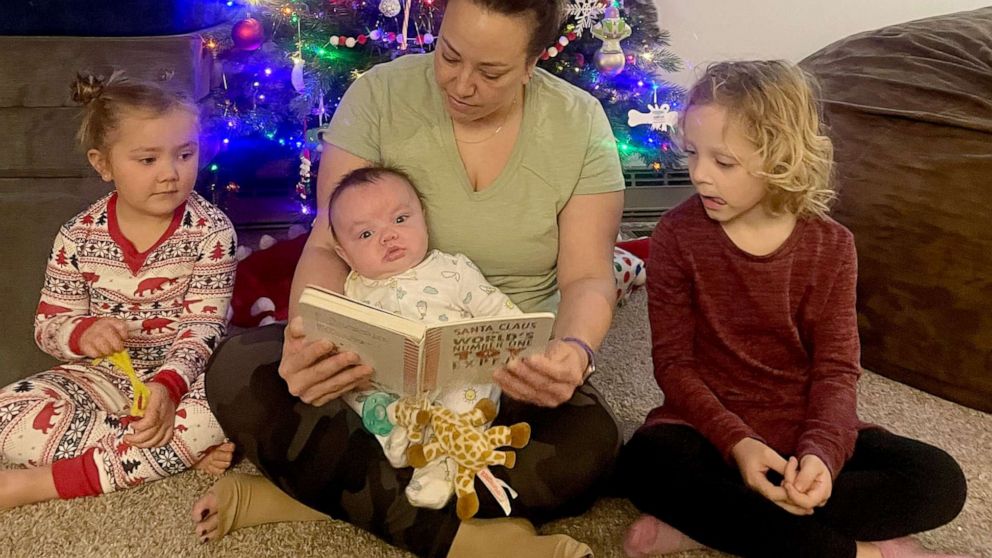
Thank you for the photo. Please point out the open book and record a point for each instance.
(410, 357)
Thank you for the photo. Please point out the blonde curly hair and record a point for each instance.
(773, 105)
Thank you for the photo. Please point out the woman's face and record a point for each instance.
(481, 59)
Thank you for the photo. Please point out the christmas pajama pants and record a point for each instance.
(75, 416)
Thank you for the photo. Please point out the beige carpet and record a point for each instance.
(153, 520)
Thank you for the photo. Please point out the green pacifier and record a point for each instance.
(374, 413)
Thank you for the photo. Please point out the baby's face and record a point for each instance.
(380, 227)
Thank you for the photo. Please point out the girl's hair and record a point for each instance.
(773, 105)
(104, 101)
(365, 175)
(547, 18)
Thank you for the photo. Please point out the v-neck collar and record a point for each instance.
(449, 144)
(132, 257)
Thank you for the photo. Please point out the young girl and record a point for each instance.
(148, 268)
(758, 449)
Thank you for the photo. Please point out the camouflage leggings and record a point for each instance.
(323, 457)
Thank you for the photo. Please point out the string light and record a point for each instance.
(257, 102)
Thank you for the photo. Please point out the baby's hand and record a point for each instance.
(154, 430)
(808, 482)
(105, 337)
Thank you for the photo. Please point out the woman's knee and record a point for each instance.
(242, 365)
(596, 442)
(570, 456)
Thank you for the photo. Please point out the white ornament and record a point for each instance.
(334, 40)
(375, 34)
(296, 76)
(660, 117)
(350, 42)
(552, 52)
(585, 12)
(389, 8)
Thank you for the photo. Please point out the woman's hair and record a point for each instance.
(365, 175)
(773, 105)
(547, 17)
(104, 101)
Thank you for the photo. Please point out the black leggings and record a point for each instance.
(891, 487)
(324, 457)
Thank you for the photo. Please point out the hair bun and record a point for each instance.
(88, 87)
(85, 88)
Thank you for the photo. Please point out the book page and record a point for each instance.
(468, 352)
(394, 356)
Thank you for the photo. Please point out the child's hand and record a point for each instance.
(105, 337)
(808, 483)
(755, 460)
(154, 430)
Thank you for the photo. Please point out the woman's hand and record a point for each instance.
(755, 460)
(105, 337)
(314, 370)
(808, 483)
(154, 430)
(547, 380)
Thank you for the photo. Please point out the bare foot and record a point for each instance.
(906, 547)
(26, 486)
(649, 536)
(216, 460)
(237, 500)
(208, 517)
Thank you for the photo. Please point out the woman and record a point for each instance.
(519, 171)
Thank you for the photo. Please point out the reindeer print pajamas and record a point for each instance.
(174, 298)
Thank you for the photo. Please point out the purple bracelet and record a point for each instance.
(589, 353)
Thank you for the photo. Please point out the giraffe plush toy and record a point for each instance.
(458, 436)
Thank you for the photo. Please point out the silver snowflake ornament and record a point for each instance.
(585, 13)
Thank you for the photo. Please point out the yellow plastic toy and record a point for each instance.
(122, 360)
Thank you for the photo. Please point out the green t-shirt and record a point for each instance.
(394, 115)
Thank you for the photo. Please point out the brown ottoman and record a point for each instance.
(910, 112)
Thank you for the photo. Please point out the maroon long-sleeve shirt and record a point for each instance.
(756, 346)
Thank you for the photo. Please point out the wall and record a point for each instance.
(708, 30)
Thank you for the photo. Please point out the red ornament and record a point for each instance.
(362, 39)
(248, 34)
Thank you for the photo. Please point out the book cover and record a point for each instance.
(409, 356)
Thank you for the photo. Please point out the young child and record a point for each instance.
(381, 233)
(148, 268)
(758, 449)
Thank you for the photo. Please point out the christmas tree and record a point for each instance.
(286, 65)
